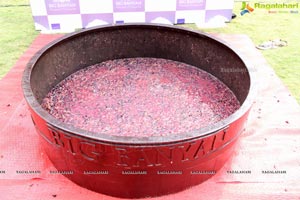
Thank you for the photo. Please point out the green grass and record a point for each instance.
(16, 33)
(262, 26)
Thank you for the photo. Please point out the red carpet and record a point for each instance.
(270, 143)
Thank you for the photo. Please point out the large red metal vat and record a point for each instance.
(128, 166)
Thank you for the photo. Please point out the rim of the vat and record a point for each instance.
(127, 140)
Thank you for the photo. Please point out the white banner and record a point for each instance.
(68, 15)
